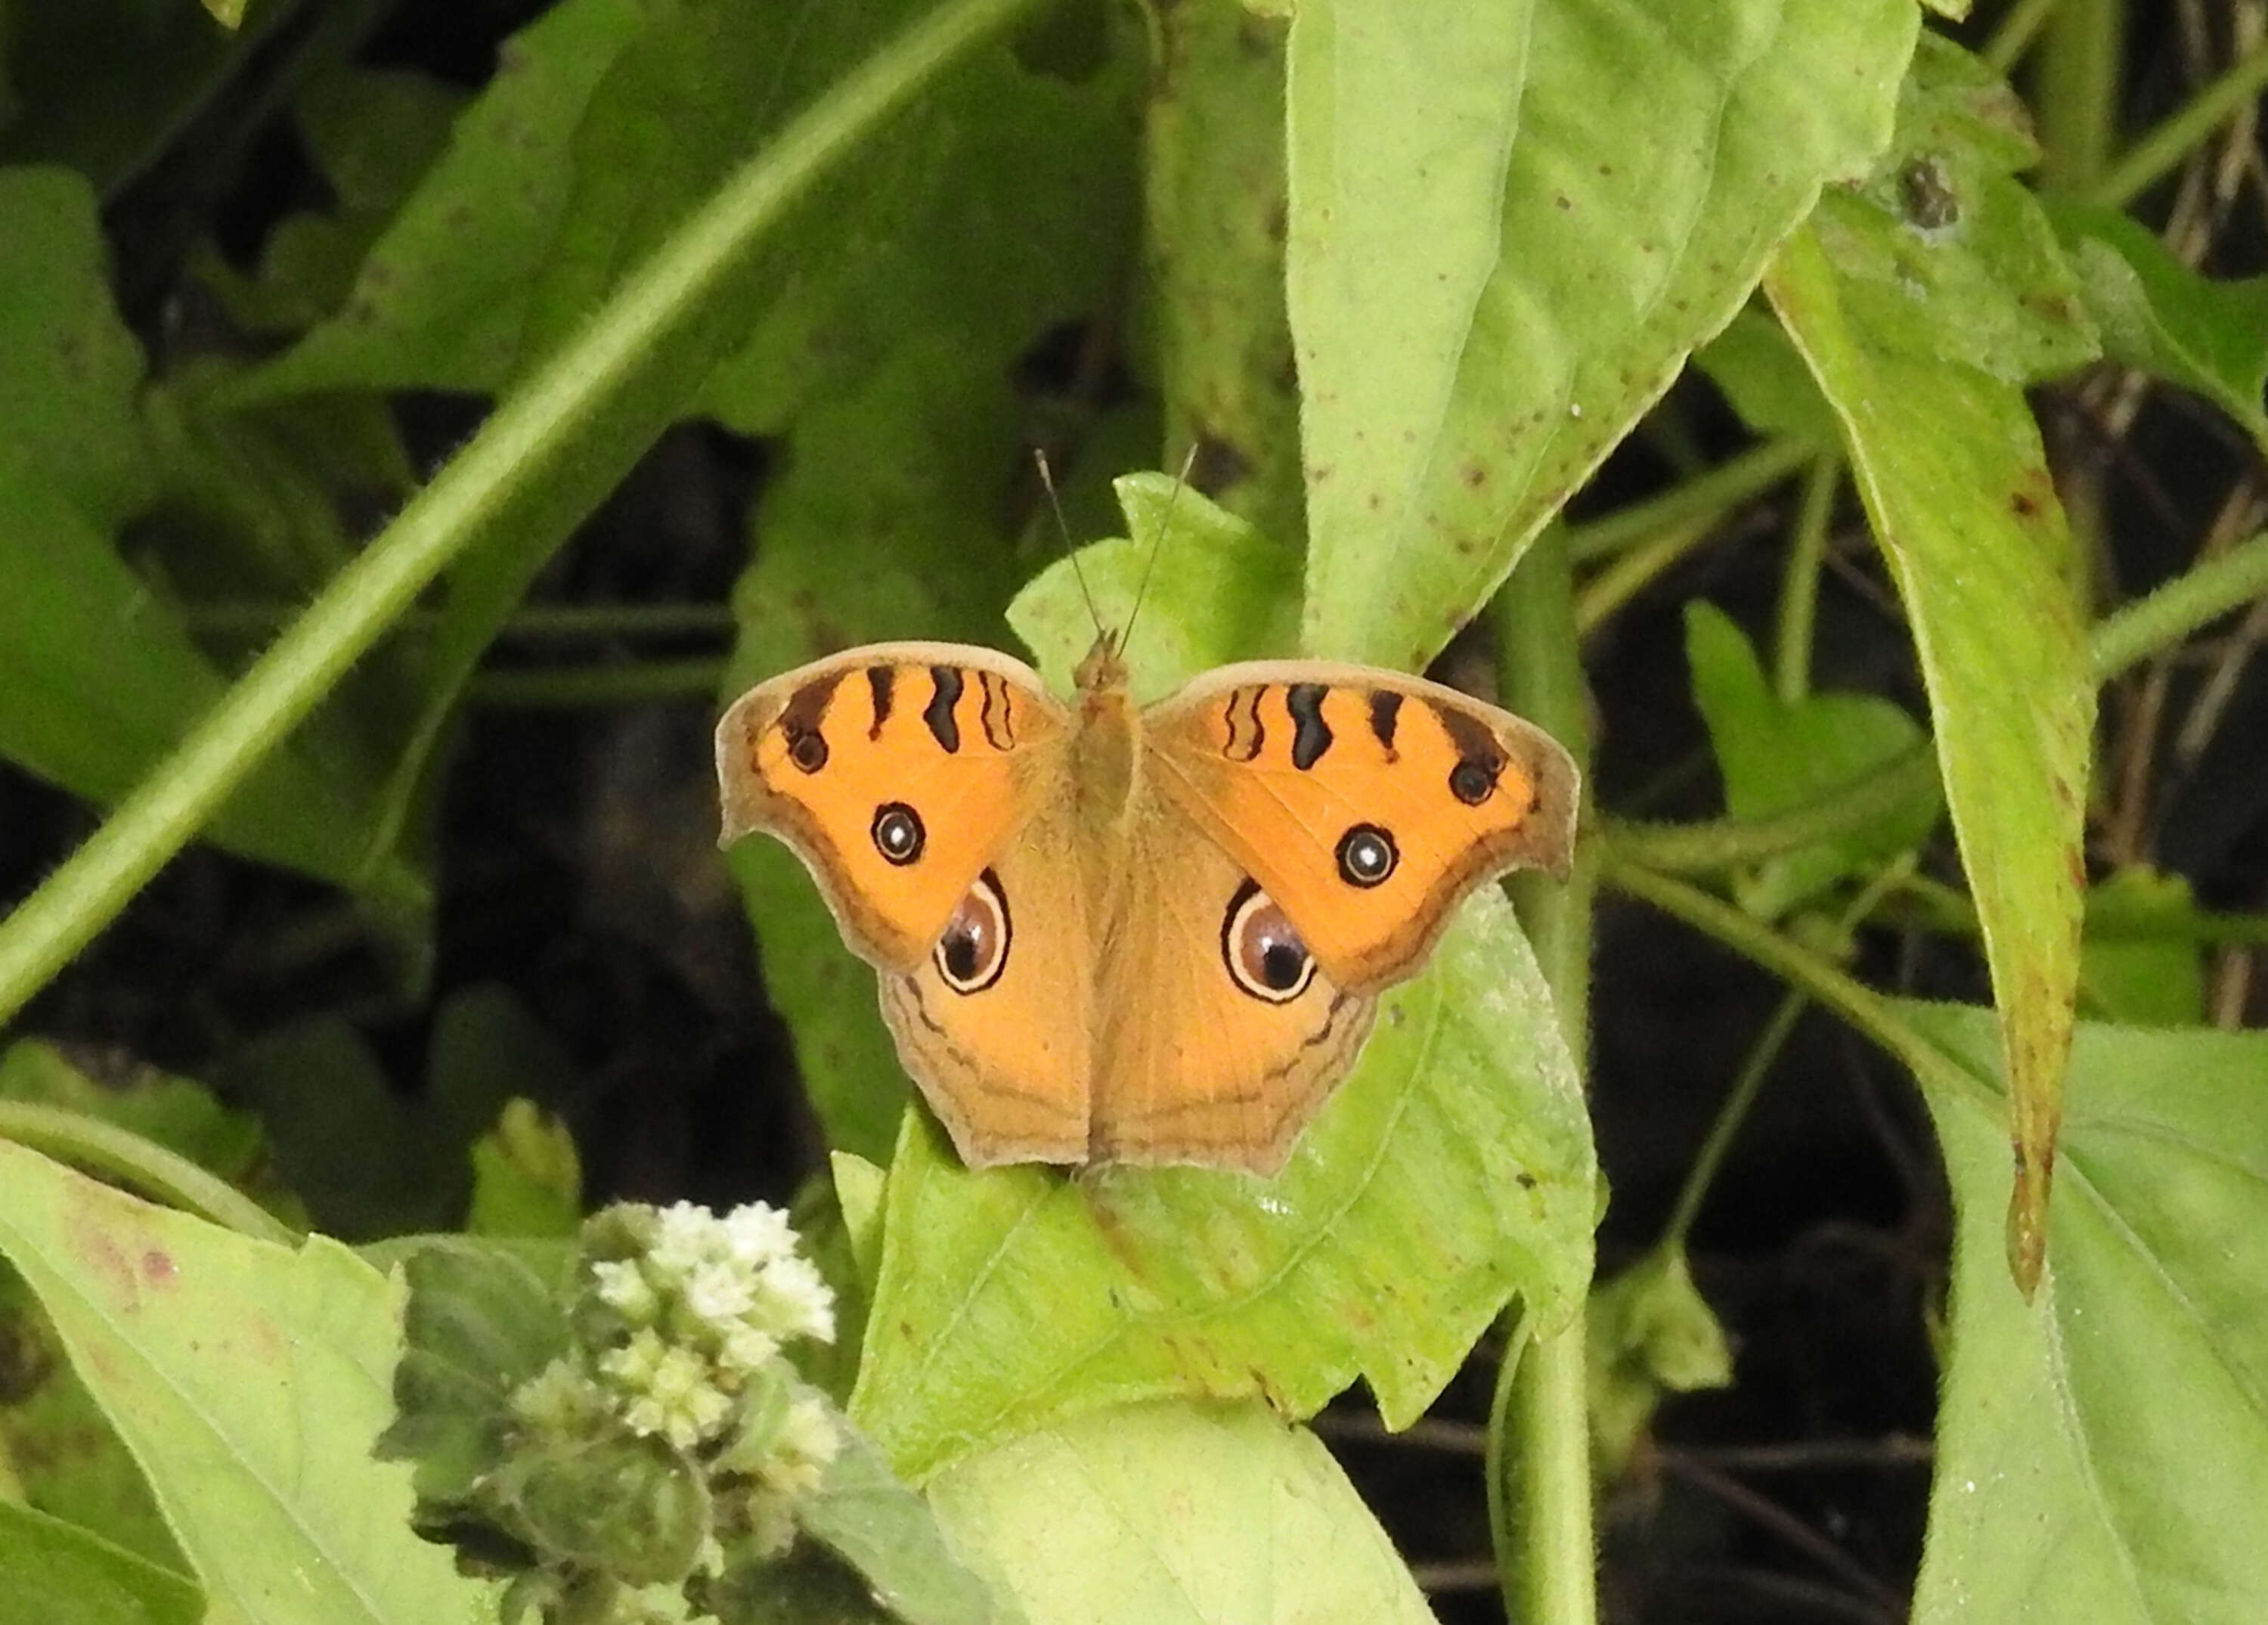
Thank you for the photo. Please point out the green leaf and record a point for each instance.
(70, 371)
(527, 1178)
(1943, 255)
(1948, 462)
(2160, 317)
(1451, 1171)
(888, 1534)
(250, 1380)
(177, 1113)
(52, 1572)
(1494, 267)
(1776, 757)
(2102, 1452)
(1173, 1514)
(441, 300)
(2133, 974)
(1212, 589)
(1765, 381)
(1648, 1332)
(479, 1322)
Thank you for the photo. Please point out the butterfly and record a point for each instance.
(1147, 935)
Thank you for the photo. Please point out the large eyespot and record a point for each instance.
(1264, 953)
(1473, 780)
(973, 949)
(1366, 855)
(898, 834)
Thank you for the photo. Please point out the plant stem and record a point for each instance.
(1798, 593)
(1710, 496)
(105, 1148)
(515, 451)
(2189, 600)
(1862, 1006)
(2171, 141)
(1628, 575)
(2077, 99)
(1539, 1442)
(2015, 32)
(1727, 843)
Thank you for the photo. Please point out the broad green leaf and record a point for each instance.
(1495, 268)
(66, 1459)
(1451, 1171)
(52, 1572)
(1176, 1514)
(853, 548)
(440, 300)
(2102, 1452)
(70, 371)
(2159, 316)
(250, 1381)
(2134, 975)
(1775, 757)
(1948, 462)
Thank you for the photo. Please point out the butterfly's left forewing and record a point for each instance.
(1366, 802)
(896, 772)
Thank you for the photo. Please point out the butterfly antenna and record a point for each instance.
(1165, 529)
(1062, 529)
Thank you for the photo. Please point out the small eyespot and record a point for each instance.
(1473, 780)
(898, 834)
(806, 748)
(1264, 953)
(1366, 855)
(973, 949)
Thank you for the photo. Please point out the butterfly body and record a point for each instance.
(1106, 933)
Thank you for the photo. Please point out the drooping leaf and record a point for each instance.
(2103, 1451)
(1648, 1332)
(1494, 267)
(1948, 460)
(1176, 1514)
(888, 1535)
(250, 1380)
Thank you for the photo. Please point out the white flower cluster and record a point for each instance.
(709, 1305)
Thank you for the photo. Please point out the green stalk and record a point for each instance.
(525, 443)
(1709, 496)
(2195, 598)
(1799, 593)
(113, 1152)
(1539, 1440)
(2171, 141)
(2076, 97)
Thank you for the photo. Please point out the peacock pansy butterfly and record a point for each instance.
(1149, 935)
